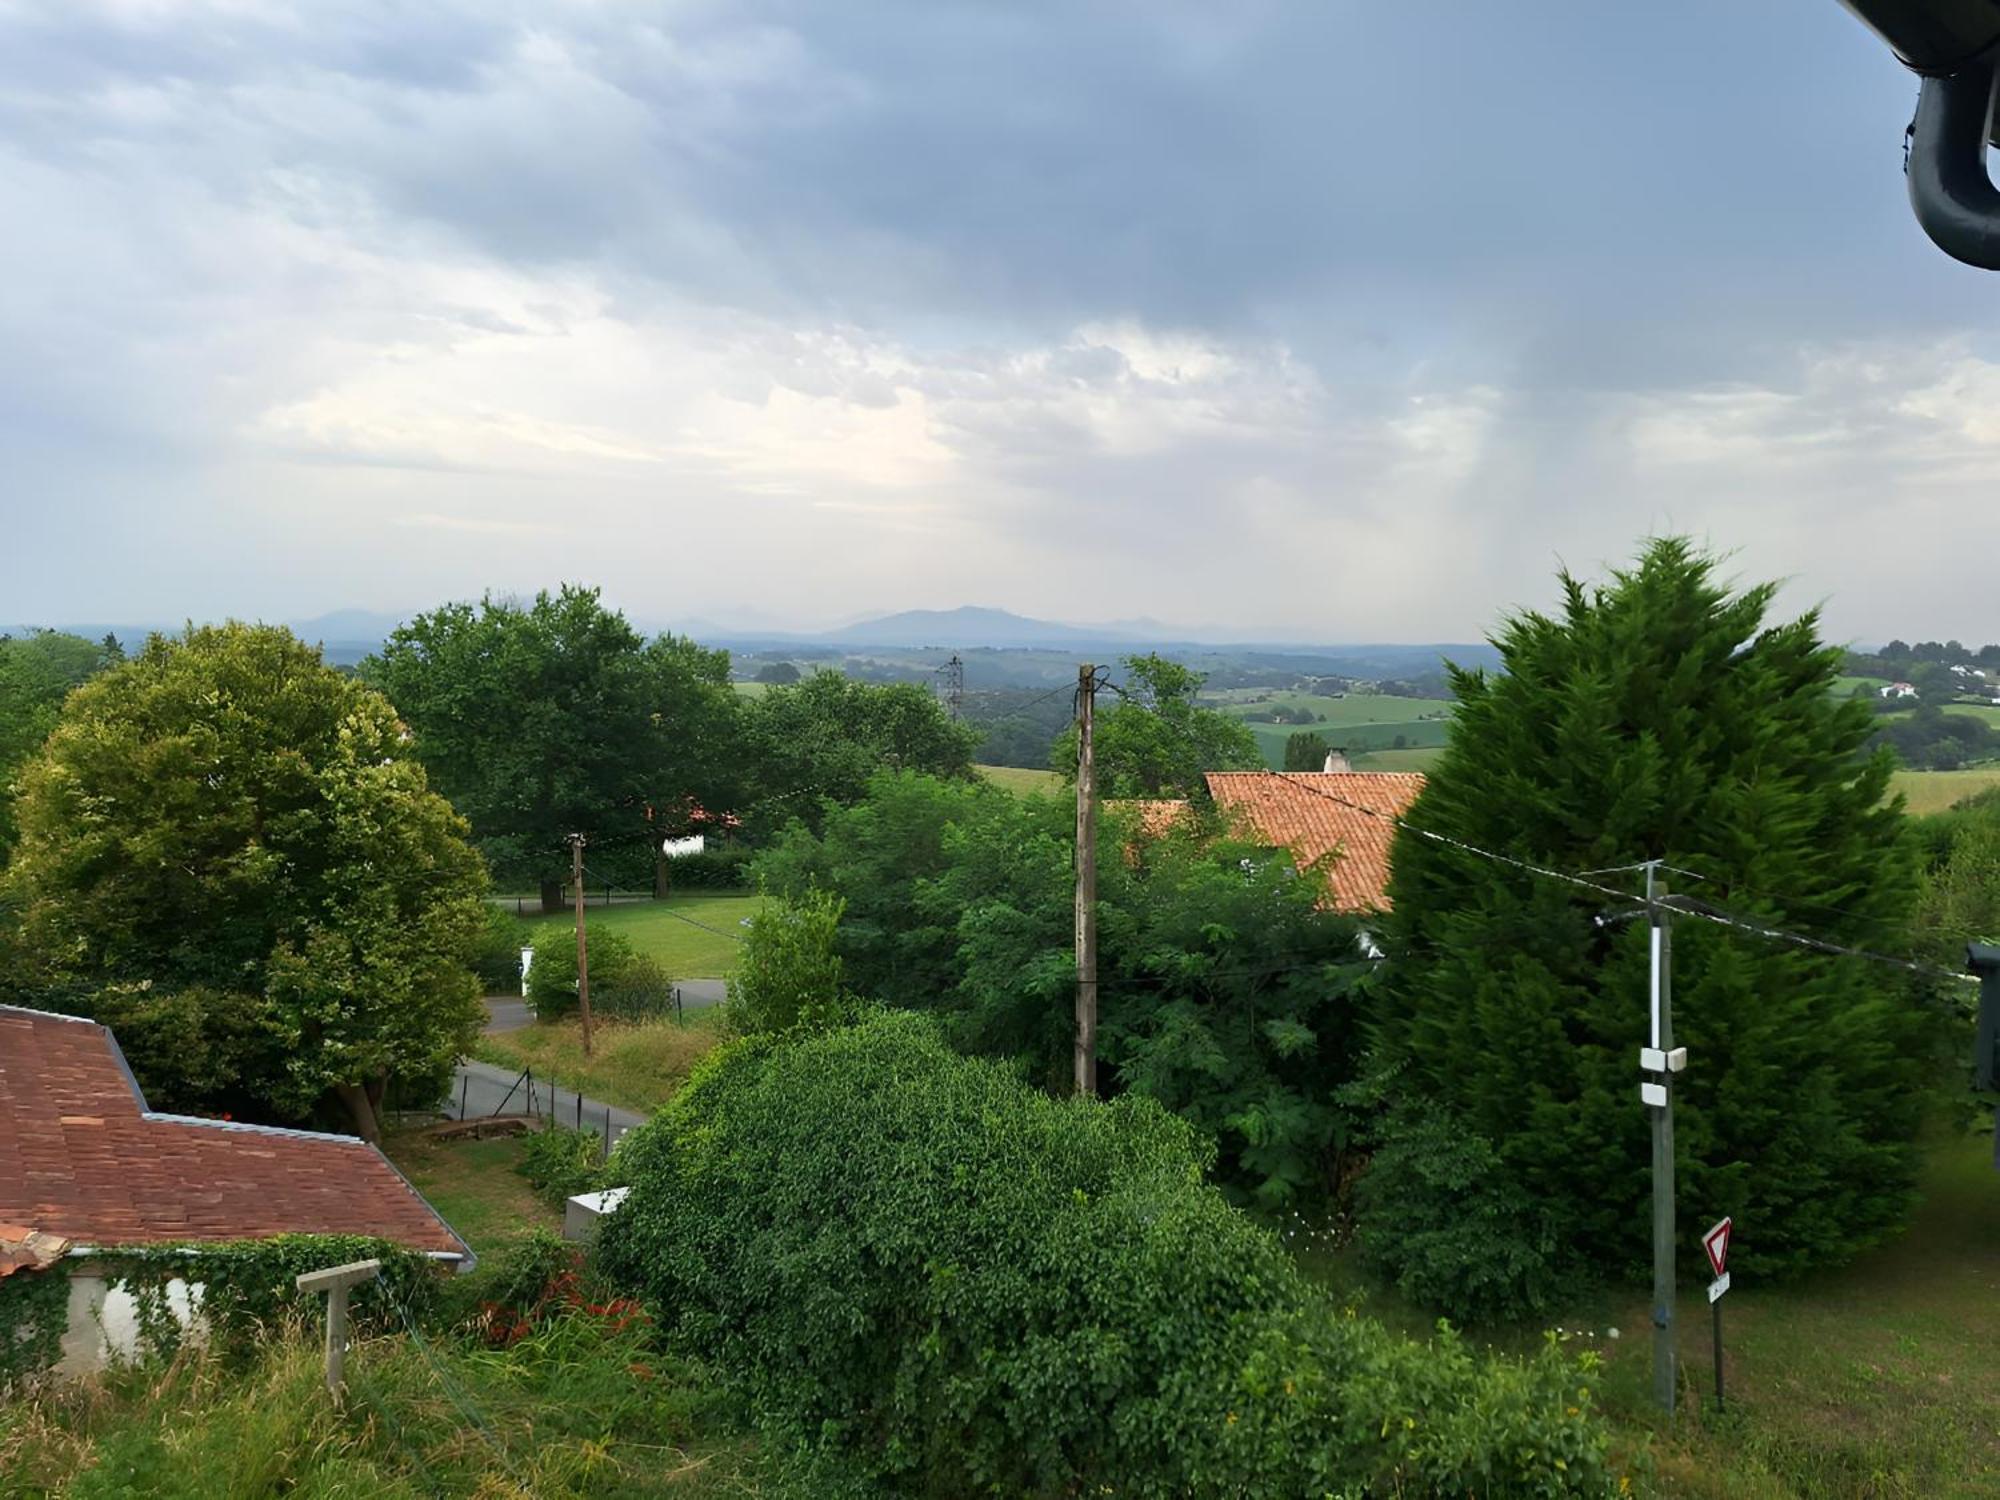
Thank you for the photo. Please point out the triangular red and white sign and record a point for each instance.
(1716, 1243)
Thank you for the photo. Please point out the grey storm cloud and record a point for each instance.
(1348, 316)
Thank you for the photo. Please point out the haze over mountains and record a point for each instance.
(348, 634)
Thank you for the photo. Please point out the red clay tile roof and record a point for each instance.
(1305, 812)
(81, 1157)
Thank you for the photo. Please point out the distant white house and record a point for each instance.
(1899, 690)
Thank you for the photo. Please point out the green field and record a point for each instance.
(1934, 791)
(1022, 781)
(1843, 687)
(1397, 760)
(1341, 713)
(691, 936)
(1357, 722)
(1873, 1380)
(1988, 712)
(752, 689)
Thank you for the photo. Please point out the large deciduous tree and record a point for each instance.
(557, 717)
(226, 820)
(1155, 740)
(1656, 717)
(817, 742)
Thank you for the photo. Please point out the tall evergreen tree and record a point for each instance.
(1658, 716)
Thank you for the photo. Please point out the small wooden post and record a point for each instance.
(335, 1281)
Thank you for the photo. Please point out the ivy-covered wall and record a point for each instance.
(236, 1292)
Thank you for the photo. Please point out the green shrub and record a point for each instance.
(560, 1163)
(723, 869)
(790, 974)
(551, 987)
(496, 954)
(1436, 1213)
(926, 1273)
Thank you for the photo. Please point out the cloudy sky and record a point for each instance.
(1343, 320)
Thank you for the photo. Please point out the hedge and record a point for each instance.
(939, 1281)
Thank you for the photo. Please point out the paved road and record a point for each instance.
(508, 1013)
(479, 1088)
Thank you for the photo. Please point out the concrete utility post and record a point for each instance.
(582, 948)
(335, 1281)
(1661, 1061)
(1086, 883)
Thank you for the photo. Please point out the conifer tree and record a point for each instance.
(1658, 716)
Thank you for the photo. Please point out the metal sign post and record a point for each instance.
(1715, 1244)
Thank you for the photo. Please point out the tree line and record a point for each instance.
(269, 876)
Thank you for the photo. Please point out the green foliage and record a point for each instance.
(790, 976)
(1157, 741)
(723, 869)
(578, 1406)
(226, 814)
(1660, 717)
(1931, 738)
(37, 672)
(557, 717)
(951, 1284)
(1306, 750)
(496, 955)
(1437, 1214)
(819, 741)
(622, 979)
(34, 1314)
(560, 1163)
(250, 1286)
(1225, 992)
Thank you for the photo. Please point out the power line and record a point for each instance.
(1702, 911)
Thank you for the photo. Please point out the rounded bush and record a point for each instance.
(926, 1272)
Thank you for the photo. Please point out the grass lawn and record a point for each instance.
(1341, 713)
(1881, 1379)
(1988, 713)
(695, 936)
(634, 1065)
(1397, 760)
(1934, 791)
(1843, 687)
(1022, 781)
(474, 1185)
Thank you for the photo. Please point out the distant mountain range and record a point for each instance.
(349, 634)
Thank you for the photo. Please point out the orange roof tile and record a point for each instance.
(1311, 813)
(83, 1158)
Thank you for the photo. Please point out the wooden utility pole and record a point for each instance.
(582, 948)
(1086, 884)
(335, 1281)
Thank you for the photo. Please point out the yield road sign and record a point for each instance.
(1716, 1243)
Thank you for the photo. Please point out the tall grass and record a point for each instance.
(573, 1409)
(635, 1065)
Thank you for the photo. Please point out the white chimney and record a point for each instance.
(1336, 761)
